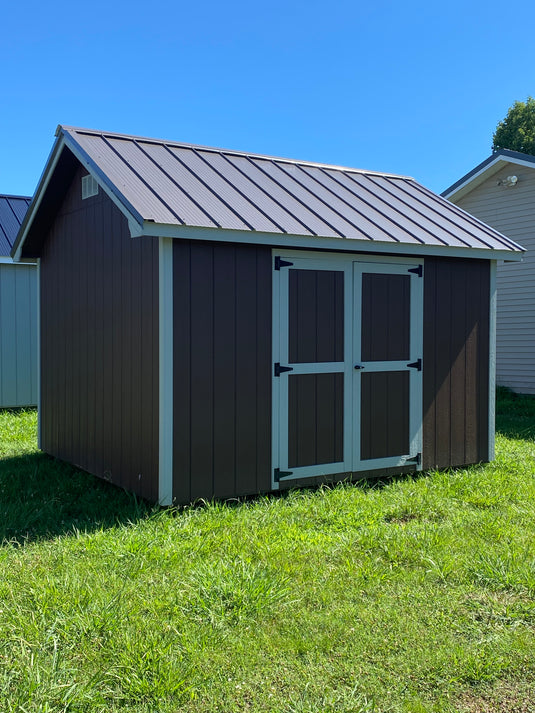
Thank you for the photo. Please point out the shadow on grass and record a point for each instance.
(41, 497)
(515, 414)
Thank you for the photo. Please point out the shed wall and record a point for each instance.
(512, 212)
(18, 335)
(456, 362)
(99, 343)
(222, 370)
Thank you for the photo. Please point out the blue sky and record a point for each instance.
(409, 87)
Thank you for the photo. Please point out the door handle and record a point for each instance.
(359, 366)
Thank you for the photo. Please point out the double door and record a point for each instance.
(347, 364)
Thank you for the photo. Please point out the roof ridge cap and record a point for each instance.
(231, 152)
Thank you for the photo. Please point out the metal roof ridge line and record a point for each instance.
(231, 152)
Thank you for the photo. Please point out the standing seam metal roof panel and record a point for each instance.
(339, 190)
(180, 184)
(460, 219)
(407, 216)
(12, 212)
(227, 165)
(226, 192)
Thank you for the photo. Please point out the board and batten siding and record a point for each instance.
(99, 343)
(18, 335)
(456, 362)
(222, 370)
(511, 210)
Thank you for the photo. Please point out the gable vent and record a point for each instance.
(89, 187)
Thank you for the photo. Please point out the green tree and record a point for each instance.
(517, 130)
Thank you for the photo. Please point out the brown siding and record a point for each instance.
(99, 327)
(456, 362)
(222, 370)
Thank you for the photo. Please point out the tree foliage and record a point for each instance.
(517, 131)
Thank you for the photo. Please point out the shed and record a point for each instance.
(217, 323)
(501, 192)
(18, 312)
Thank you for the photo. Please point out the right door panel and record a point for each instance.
(387, 352)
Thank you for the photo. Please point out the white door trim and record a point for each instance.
(280, 354)
(415, 375)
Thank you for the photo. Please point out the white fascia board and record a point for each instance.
(64, 141)
(10, 261)
(127, 209)
(486, 172)
(352, 245)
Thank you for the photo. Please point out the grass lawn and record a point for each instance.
(413, 595)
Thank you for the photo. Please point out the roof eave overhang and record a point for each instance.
(284, 240)
(480, 174)
(65, 141)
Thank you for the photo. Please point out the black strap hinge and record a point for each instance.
(278, 474)
(415, 459)
(279, 262)
(417, 270)
(278, 369)
(416, 364)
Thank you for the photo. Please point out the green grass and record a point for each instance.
(416, 595)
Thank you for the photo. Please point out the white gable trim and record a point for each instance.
(63, 142)
(486, 172)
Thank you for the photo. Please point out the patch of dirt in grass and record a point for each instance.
(502, 698)
(401, 518)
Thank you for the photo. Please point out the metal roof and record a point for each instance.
(183, 187)
(12, 212)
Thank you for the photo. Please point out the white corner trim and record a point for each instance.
(165, 310)
(492, 360)
(38, 280)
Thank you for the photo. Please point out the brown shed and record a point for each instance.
(216, 323)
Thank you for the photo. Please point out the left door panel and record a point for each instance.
(310, 347)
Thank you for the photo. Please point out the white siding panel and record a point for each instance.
(18, 335)
(512, 212)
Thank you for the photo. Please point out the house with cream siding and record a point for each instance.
(501, 192)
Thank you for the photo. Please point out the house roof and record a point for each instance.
(12, 212)
(172, 189)
(485, 169)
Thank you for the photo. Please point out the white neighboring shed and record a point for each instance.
(501, 192)
(18, 312)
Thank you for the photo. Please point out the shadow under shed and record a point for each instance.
(43, 498)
